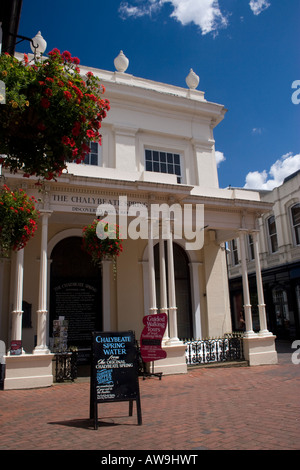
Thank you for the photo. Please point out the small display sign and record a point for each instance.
(114, 371)
(151, 337)
(16, 348)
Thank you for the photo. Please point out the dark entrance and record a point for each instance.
(76, 294)
(182, 287)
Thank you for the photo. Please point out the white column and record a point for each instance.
(3, 268)
(260, 291)
(17, 312)
(194, 272)
(106, 270)
(152, 289)
(163, 283)
(172, 296)
(145, 268)
(42, 312)
(247, 305)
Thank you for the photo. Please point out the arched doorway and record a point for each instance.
(75, 294)
(182, 286)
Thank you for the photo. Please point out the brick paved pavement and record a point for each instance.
(208, 409)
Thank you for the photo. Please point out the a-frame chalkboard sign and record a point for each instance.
(114, 374)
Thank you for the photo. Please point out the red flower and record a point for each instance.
(45, 103)
(66, 56)
(65, 140)
(54, 51)
(76, 129)
(68, 95)
(48, 92)
(90, 133)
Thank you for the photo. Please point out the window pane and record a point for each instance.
(94, 147)
(163, 162)
(296, 214)
(156, 166)
(274, 244)
(94, 159)
(177, 159)
(148, 166)
(177, 170)
(297, 235)
(272, 226)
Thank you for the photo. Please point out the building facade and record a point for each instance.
(279, 233)
(158, 149)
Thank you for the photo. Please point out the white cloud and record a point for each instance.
(283, 167)
(219, 157)
(204, 13)
(257, 6)
(257, 130)
(147, 8)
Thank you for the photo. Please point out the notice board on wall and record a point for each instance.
(114, 371)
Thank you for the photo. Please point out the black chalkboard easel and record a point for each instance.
(114, 371)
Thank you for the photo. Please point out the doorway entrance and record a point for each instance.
(182, 288)
(75, 294)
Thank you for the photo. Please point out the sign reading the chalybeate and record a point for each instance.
(151, 337)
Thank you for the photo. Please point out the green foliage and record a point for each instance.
(101, 240)
(50, 115)
(18, 219)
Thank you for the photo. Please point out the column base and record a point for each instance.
(260, 350)
(28, 371)
(41, 350)
(175, 362)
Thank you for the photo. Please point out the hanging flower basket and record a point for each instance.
(101, 241)
(18, 220)
(50, 114)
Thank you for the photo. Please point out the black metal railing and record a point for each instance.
(206, 351)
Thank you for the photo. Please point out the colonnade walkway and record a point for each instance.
(236, 408)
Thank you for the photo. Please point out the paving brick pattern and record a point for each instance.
(238, 408)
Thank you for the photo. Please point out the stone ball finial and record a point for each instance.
(192, 80)
(121, 62)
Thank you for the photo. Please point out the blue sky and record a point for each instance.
(246, 53)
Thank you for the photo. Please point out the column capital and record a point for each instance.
(45, 212)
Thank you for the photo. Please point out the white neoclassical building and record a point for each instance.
(158, 149)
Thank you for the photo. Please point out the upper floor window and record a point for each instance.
(295, 212)
(234, 252)
(250, 247)
(272, 234)
(163, 162)
(95, 155)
